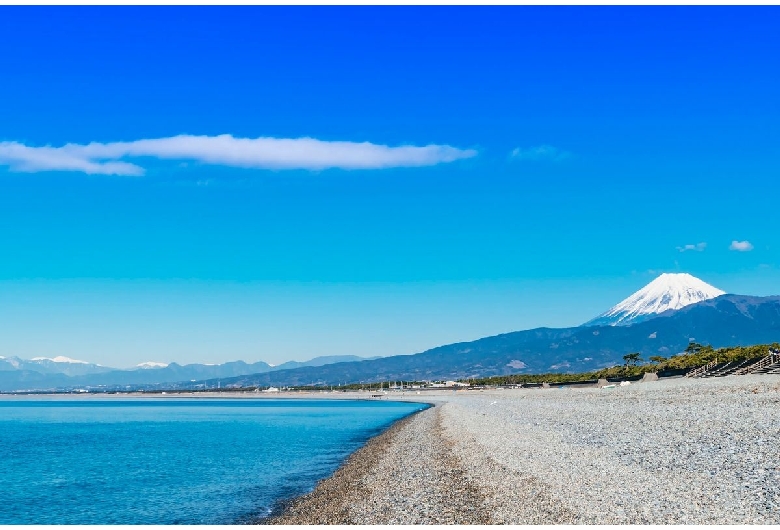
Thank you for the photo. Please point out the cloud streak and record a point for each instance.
(698, 247)
(741, 246)
(542, 152)
(258, 153)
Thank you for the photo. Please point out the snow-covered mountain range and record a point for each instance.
(45, 372)
(54, 365)
(668, 291)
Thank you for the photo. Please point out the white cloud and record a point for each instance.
(698, 247)
(30, 159)
(260, 153)
(542, 152)
(741, 246)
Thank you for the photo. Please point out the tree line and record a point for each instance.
(634, 365)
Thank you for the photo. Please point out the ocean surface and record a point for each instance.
(172, 461)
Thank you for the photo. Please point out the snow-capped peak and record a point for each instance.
(668, 291)
(60, 359)
(151, 364)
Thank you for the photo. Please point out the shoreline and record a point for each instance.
(375, 486)
(684, 451)
(328, 496)
(676, 451)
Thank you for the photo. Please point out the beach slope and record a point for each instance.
(668, 452)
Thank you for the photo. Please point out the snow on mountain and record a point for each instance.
(54, 365)
(151, 364)
(60, 359)
(13, 362)
(668, 291)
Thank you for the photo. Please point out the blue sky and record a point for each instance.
(467, 172)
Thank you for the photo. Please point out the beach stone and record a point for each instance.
(649, 376)
(408, 475)
(682, 451)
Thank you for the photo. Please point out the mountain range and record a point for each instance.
(660, 319)
(728, 320)
(63, 372)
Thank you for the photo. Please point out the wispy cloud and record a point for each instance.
(542, 152)
(260, 153)
(698, 247)
(741, 246)
(31, 159)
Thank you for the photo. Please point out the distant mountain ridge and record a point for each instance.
(46, 373)
(727, 320)
(653, 321)
(56, 365)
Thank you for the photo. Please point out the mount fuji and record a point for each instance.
(667, 292)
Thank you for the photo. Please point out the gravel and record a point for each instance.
(681, 451)
(408, 475)
(702, 451)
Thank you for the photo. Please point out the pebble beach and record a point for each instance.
(678, 451)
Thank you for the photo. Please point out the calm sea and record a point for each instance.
(172, 461)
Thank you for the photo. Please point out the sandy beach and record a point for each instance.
(679, 451)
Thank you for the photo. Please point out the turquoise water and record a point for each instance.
(172, 461)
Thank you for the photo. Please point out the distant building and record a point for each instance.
(454, 383)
